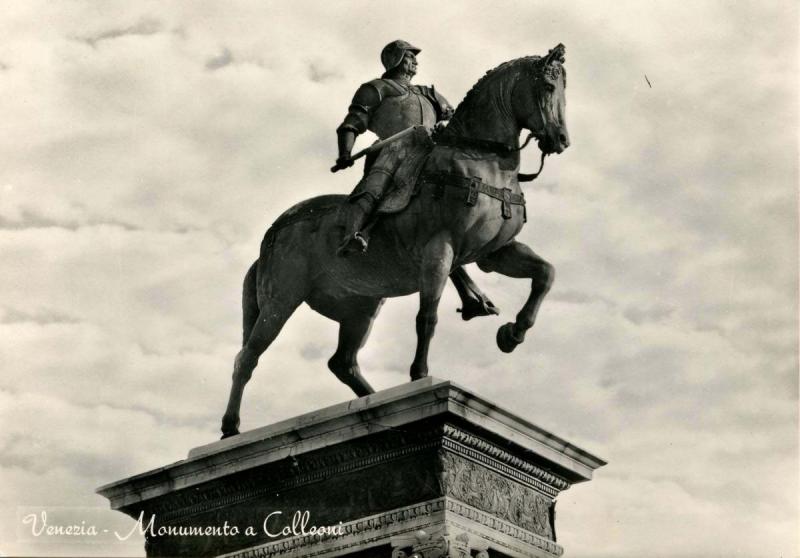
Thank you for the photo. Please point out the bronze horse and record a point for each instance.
(448, 223)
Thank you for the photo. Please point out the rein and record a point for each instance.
(522, 177)
(496, 147)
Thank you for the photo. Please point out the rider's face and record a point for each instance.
(409, 64)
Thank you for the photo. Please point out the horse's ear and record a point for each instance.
(556, 54)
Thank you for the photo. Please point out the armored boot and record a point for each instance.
(474, 301)
(363, 201)
(359, 211)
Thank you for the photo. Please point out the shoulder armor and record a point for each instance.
(366, 99)
(385, 88)
(443, 109)
(368, 95)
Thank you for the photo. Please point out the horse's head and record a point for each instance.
(538, 101)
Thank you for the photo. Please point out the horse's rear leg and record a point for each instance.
(437, 258)
(274, 313)
(250, 310)
(518, 260)
(354, 327)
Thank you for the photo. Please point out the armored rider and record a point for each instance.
(386, 106)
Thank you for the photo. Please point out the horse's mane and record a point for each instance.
(476, 95)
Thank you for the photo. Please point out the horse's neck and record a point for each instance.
(485, 125)
(487, 121)
(489, 125)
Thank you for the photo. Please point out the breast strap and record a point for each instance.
(474, 185)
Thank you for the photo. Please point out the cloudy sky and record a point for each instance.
(146, 147)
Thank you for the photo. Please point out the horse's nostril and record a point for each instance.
(564, 140)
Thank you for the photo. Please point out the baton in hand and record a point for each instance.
(374, 147)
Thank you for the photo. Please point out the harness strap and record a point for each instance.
(474, 186)
(496, 147)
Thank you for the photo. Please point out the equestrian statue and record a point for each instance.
(449, 198)
(387, 106)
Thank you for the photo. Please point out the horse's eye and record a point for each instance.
(550, 87)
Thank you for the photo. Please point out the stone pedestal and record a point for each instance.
(425, 469)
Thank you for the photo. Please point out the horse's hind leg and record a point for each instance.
(249, 302)
(274, 313)
(354, 328)
(518, 260)
(437, 258)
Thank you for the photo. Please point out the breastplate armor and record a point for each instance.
(397, 113)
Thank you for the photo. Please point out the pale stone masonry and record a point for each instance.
(426, 467)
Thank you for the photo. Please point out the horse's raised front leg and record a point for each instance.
(437, 257)
(518, 260)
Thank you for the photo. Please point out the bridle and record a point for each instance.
(555, 54)
(503, 149)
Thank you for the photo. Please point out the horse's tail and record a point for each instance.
(249, 302)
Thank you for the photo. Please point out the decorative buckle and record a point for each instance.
(472, 196)
(524, 207)
(506, 203)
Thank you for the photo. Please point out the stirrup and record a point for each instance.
(355, 244)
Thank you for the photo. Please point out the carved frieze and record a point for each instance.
(493, 493)
(475, 447)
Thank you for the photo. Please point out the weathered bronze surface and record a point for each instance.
(417, 249)
(388, 106)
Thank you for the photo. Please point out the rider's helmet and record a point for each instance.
(392, 54)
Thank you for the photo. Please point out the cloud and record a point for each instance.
(650, 314)
(137, 184)
(38, 316)
(33, 218)
(319, 72)
(312, 351)
(227, 58)
(52, 444)
(577, 297)
(144, 27)
(221, 60)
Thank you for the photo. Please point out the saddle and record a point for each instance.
(406, 181)
(403, 161)
(405, 166)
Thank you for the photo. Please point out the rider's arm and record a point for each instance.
(366, 99)
(446, 110)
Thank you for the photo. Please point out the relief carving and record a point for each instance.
(492, 493)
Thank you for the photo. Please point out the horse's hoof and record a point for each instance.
(229, 434)
(506, 340)
(230, 426)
